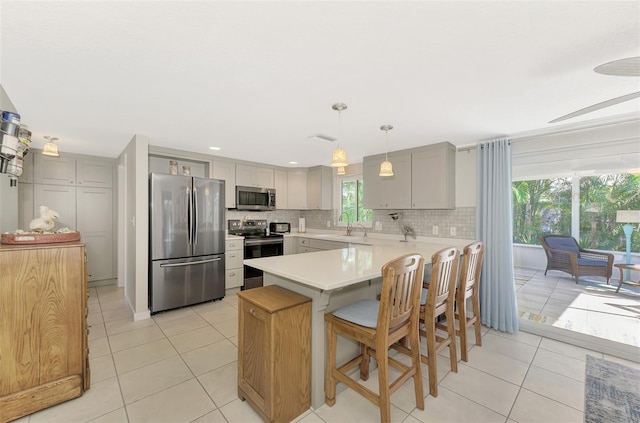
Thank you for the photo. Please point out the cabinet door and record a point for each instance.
(297, 186)
(27, 168)
(59, 198)
(54, 170)
(395, 190)
(25, 205)
(281, 185)
(265, 177)
(372, 197)
(253, 353)
(227, 172)
(245, 175)
(433, 178)
(319, 188)
(95, 173)
(95, 223)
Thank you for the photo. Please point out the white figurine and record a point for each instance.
(46, 220)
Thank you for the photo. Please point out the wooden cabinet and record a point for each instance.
(227, 172)
(297, 189)
(433, 173)
(43, 346)
(274, 352)
(320, 188)
(387, 192)
(281, 183)
(234, 269)
(254, 176)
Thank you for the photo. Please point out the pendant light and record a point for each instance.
(339, 156)
(386, 168)
(50, 148)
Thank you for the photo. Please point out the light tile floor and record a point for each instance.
(590, 307)
(180, 366)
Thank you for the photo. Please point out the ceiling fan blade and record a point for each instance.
(622, 67)
(598, 106)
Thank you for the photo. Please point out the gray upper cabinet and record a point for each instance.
(227, 172)
(94, 173)
(424, 178)
(320, 188)
(297, 189)
(54, 170)
(387, 192)
(281, 183)
(254, 176)
(65, 170)
(433, 175)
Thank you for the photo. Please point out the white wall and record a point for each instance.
(134, 159)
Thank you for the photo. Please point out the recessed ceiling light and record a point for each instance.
(214, 148)
(293, 162)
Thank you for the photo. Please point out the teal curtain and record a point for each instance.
(498, 306)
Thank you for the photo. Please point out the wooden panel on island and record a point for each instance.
(43, 322)
(274, 352)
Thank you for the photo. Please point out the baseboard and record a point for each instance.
(104, 282)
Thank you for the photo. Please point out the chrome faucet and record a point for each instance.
(365, 231)
(349, 225)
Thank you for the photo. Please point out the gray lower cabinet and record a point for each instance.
(94, 221)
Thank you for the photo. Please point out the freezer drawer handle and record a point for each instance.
(190, 263)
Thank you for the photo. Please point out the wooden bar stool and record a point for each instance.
(438, 297)
(468, 287)
(377, 325)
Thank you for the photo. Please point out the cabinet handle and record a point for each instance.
(252, 311)
(232, 256)
(232, 274)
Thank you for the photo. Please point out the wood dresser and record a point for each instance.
(274, 352)
(43, 327)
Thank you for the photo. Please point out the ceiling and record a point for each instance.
(258, 78)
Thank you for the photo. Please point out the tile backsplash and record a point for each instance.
(422, 221)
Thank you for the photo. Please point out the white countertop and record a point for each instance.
(333, 269)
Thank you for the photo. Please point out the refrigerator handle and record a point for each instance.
(189, 263)
(189, 217)
(195, 214)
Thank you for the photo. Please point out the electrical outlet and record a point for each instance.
(435, 230)
(453, 231)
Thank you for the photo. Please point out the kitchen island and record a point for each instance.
(333, 279)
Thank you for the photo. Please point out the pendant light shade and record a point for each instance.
(50, 148)
(386, 168)
(339, 156)
(341, 171)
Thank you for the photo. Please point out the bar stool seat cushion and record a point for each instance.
(363, 313)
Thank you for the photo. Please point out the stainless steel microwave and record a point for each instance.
(253, 198)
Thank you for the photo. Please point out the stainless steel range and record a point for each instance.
(256, 244)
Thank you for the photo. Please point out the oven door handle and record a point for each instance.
(251, 242)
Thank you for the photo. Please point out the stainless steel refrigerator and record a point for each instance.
(186, 241)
